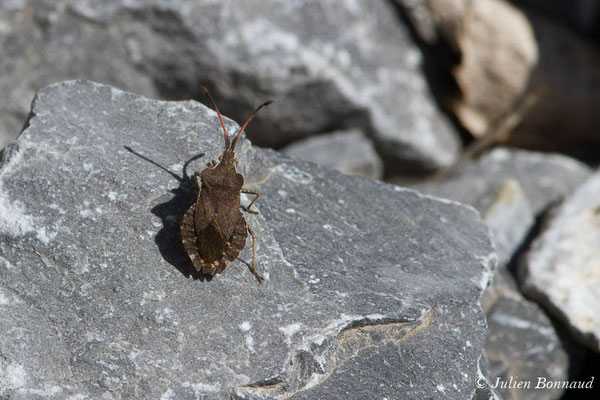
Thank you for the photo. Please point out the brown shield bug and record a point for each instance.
(213, 229)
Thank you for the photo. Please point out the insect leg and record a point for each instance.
(256, 194)
(262, 181)
(251, 232)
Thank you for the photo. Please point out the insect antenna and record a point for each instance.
(237, 137)
(227, 140)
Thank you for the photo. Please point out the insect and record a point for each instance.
(213, 229)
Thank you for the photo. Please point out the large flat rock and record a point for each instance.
(370, 289)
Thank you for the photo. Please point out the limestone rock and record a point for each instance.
(561, 269)
(545, 179)
(98, 299)
(523, 344)
(349, 152)
(509, 217)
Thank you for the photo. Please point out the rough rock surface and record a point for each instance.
(348, 151)
(561, 270)
(97, 298)
(331, 65)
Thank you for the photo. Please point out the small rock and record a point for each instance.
(349, 152)
(545, 179)
(523, 344)
(561, 270)
(509, 218)
(362, 279)
(498, 53)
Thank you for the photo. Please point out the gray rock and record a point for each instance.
(331, 65)
(545, 179)
(422, 19)
(523, 345)
(509, 217)
(560, 269)
(484, 385)
(47, 41)
(348, 151)
(370, 289)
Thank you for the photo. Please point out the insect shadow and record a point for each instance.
(168, 239)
